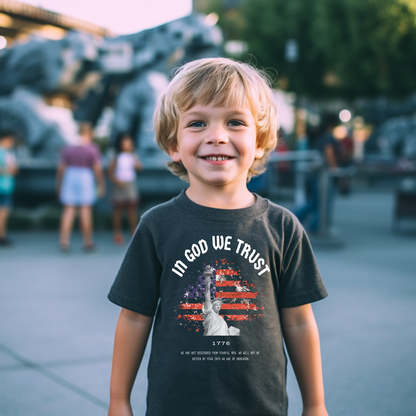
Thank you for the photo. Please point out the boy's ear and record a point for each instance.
(174, 152)
(259, 153)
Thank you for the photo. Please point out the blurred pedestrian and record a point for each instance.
(124, 193)
(329, 147)
(346, 159)
(76, 187)
(284, 169)
(8, 170)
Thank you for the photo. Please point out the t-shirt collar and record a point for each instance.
(219, 214)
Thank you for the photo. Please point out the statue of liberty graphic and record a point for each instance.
(214, 323)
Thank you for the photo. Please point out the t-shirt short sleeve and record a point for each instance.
(300, 281)
(136, 286)
(95, 153)
(65, 155)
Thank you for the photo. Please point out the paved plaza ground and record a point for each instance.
(56, 325)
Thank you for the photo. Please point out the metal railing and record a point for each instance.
(308, 162)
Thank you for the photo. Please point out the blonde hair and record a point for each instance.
(218, 82)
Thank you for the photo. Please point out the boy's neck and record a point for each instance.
(221, 197)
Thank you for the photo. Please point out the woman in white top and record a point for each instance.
(124, 193)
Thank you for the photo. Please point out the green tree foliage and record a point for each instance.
(230, 17)
(369, 44)
(269, 24)
(347, 48)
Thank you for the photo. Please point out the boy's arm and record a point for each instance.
(130, 340)
(302, 341)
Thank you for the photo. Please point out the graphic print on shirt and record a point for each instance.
(217, 301)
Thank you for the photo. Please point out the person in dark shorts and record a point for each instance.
(308, 213)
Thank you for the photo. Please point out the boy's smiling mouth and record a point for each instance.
(217, 158)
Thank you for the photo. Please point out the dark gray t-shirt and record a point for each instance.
(259, 260)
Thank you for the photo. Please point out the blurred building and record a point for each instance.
(18, 21)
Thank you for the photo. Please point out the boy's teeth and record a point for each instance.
(214, 158)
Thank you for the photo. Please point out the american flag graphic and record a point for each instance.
(240, 301)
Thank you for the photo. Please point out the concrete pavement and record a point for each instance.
(368, 323)
(56, 325)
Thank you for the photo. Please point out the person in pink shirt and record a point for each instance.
(79, 171)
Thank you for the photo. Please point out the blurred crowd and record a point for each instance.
(80, 181)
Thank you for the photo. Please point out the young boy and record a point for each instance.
(8, 169)
(216, 240)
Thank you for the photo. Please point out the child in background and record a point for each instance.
(217, 120)
(124, 194)
(8, 169)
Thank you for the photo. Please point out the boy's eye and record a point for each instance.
(196, 124)
(235, 123)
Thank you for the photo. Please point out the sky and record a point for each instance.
(119, 16)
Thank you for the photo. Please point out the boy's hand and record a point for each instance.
(302, 342)
(132, 332)
(314, 411)
(119, 408)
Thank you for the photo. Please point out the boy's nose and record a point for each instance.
(217, 136)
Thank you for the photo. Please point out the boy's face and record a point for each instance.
(217, 145)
